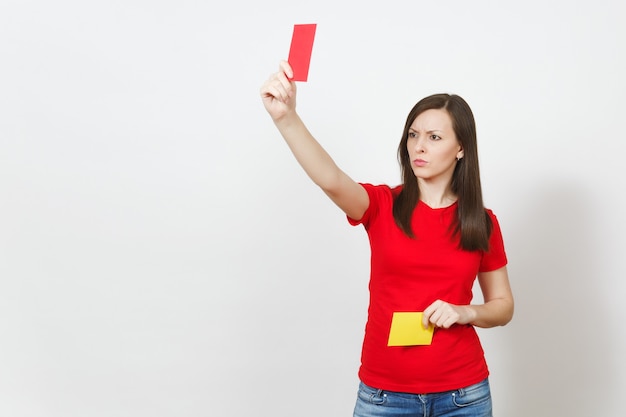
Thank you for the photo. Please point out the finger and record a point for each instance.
(425, 322)
(278, 85)
(428, 313)
(288, 85)
(442, 321)
(446, 322)
(450, 316)
(286, 69)
(426, 317)
(437, 318)
(268, 89)
(275, 88)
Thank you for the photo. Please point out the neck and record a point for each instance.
(436, 196)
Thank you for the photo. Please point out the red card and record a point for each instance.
(300, 50)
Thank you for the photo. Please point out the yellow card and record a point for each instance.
(407, 330)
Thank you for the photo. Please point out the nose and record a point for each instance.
(418, 146)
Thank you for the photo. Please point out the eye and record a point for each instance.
(435, 137)
(412, 135)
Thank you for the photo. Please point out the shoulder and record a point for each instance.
(381, 198)
(495, 224)
(382, 189)
(381, 194)
(491, 215)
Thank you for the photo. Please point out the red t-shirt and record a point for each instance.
(409, 275)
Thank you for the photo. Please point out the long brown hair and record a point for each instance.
(472, 221)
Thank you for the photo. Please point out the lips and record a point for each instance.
(419, 162)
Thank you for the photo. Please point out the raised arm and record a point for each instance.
(279, 98)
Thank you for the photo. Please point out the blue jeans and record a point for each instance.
(472, 401)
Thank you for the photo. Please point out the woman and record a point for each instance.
(430, 238)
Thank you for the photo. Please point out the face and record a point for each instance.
(433, 147)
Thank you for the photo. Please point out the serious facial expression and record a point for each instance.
(433, 147)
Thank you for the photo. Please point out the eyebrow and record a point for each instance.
(428, 131)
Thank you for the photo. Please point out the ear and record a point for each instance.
(460, 154)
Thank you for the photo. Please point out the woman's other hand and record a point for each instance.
(443, 314)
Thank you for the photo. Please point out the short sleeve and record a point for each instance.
(378, 195)
(495, 258)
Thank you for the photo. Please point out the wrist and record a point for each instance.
(286, 120)
(471, 314)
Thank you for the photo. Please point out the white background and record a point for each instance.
(162, 254)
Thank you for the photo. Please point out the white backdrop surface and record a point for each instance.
(162, 254)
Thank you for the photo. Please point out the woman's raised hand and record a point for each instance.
(279, 98)
(279, 93)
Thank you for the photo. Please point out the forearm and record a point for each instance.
(497, 312)
(279, 98)
(315, 161)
